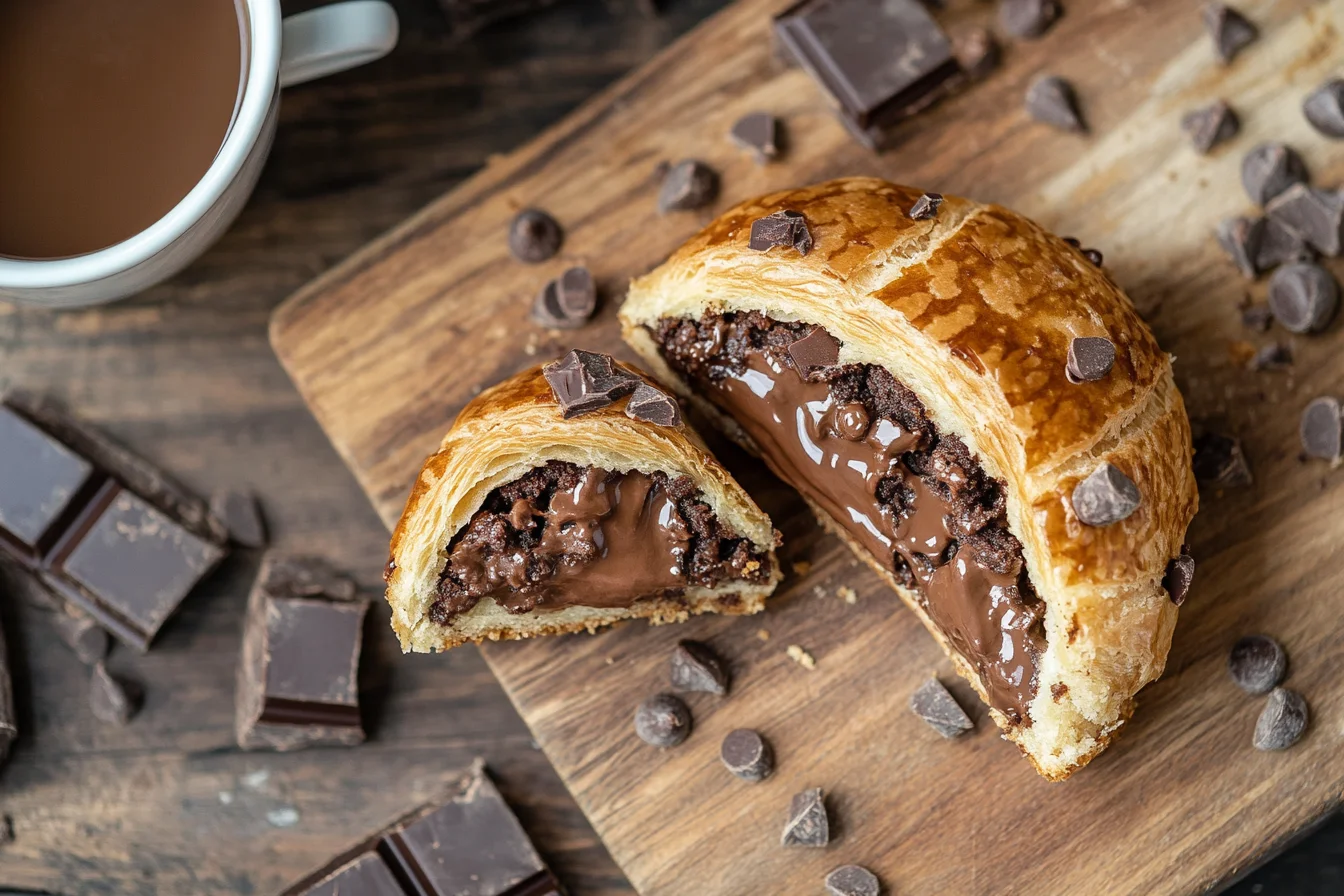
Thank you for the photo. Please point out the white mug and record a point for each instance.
(279, 53)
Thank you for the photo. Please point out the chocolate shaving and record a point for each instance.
(759, 134)
(808, 823)
(1304, 297)
(534, 236)
(1230, 30)
(1282, 722)
(1090, 359)
(1210, 125)
(1324, 108)
(935, 705)
(926, 207)
(1105, 497)
(1257, 664)
(1051, 100)
(783, 228)
(695, 667)
(653, 405)
(568, 301)
(747, 755)
(1269, 169)
(663, 721)
(583, 382)
(1315, 215)
(689, 185)
(1322, 429)
(1028, 18)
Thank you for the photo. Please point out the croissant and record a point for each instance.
(973, 407)
(565, 499)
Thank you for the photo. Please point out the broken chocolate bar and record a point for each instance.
(98, 526)
(298, 680)
(471, 845)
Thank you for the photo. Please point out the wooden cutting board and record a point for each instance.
(388, 346)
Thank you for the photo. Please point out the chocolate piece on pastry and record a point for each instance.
(548, 508)
(911, 379)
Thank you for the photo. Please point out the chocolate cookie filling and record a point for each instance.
(565, 535)
(859, 444)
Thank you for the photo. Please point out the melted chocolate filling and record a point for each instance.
(860, 445)
(565, 535)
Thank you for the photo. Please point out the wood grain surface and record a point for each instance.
(389, 345)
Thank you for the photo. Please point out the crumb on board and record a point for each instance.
(801, 567)
(530, 347)
(611, 660)
(847, 594)
(801, 657)
(818, 591)
(763, 634)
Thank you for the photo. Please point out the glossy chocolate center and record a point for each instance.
(859, 444)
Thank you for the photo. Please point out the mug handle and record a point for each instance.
(333, 38)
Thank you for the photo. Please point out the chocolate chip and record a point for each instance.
(1280, 244)
(1090, 359)
(1105, 497)
(81, 634)
(653, 405)
(748, 755)
(1240, 238)
(1303, 297)
(1257, 318)
(688, 185)
(808, 823)
(977, 53)
(534, 236)
(1257, 664)
(1275, 356)
(1094, 256)
(111, 701)
(1028, 18)
(583, 382)
(568, 301)
(663, 721)
(1315, 215)
(241, 515)
(851, 421)
(1324, 108)
(758, 133)
(852, 880)
(815, 351)
(1051, 100)
(1210, 125)
(1230, 30)
(783, 228)
(932, 703)
(1282, 722)
(1220, 460)
(695, 667)
(1322, 429)
(926, 207)
(1180, 573)
(1269, 169)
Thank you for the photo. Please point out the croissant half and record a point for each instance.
(952, 331)
(525, 523)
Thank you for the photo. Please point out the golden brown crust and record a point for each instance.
(974, 310)
(515, 427)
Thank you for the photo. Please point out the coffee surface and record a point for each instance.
(109, 114)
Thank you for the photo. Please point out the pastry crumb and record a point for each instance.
(818, 591)
(801, 657)
(530, 348)
(801, 567)
(751, 566)
(847, 594)
(611, 661)
(763, 634)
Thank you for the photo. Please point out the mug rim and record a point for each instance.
(263, 27)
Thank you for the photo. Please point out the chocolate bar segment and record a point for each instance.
(471, 845)
(298, 682)
(41, 477)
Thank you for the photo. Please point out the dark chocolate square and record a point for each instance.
(39, 478)
(367, 875)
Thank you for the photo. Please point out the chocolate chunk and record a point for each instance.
(81, 634)
(1028, 18)
(851, 421)
(1090, 359)
(1257, 318)
(1324, 108)
(1210, 125)
(926, 207)
(1322, 429)
(688, 185)
(653, 405)
(471, 845)
(748, 755)
(808, 824)
(1105, 497)
(1282, 722)
(1280, 244)
(9, 729)
(40, 478)
(852, 880)
(663, 720)
(1230, 30)
(815, 351)
(977, 53)
(757, 133)
(111, 700)
(1094, 256)
(1180, 575)
(1051, 100)
(1269, 169)
(1275, 356)
(1303, 297)
(880, 61)
(1257, 664)
(1220, 460)
(1315, 215)
(534, 236)
(935, 705)
(583, 382)
(241, 515)
(567, 302)
(293, 575)
(298, 678)
(1240, 238)
(695, 667)
(783, 228)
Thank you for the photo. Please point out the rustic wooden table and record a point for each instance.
(184, 375)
